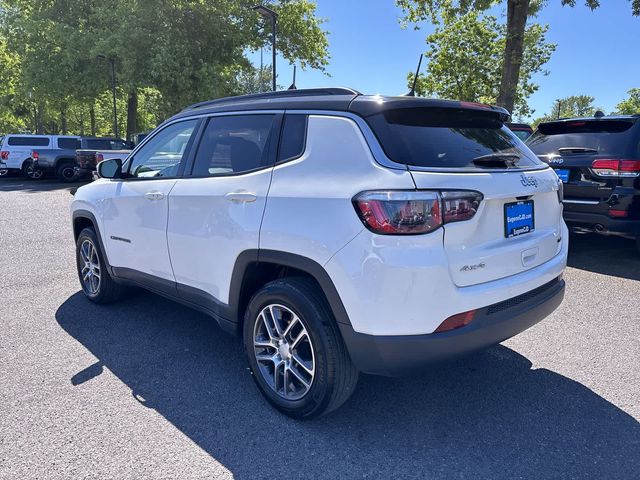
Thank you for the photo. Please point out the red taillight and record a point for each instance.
(459, 206)
(99, 158)
(413, 212)
(399, 212)
(35, 155)
(4, 155)
(456, 321)
(616, 168)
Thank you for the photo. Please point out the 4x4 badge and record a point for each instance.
(528, 181)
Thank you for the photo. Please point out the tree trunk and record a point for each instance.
(63, 120)
(132, 114)
(517, 13)
(39, 122)
(92, 116)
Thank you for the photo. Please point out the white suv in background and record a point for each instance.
(335, 232)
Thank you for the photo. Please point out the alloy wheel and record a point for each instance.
(91, 271)
(284, 352)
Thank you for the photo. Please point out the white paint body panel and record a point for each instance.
(309, 210)
(207, 231)
(127, 214)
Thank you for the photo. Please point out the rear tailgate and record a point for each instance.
(86, 159)
(478, 249)
(516, 226)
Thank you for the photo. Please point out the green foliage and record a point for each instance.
(570, 107)
(631, 105)
(465, 55)
(170, 53)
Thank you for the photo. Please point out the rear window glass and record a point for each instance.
(69, 143)
(522, 134)
(615, 137)
(28, 141)
(98, 144)
(446, 138)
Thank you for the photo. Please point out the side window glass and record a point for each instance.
(234, 144)
(161, 155)
(68, 143)
(293, 139)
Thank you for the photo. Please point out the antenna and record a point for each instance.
(293, 85)
(412, 92)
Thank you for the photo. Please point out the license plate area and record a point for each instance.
(518, 218)
(563, 174)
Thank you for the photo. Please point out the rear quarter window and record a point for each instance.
(445, 137)
(598, 137)
(293, 138)
(28, 141)
(68, 143)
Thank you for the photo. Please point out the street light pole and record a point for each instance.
(268, 13)
(112, 61)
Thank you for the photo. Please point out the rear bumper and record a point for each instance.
(591, 220)
(83, 172)
(404, 354)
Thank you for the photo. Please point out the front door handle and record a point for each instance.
(241, 197)
(154, 196)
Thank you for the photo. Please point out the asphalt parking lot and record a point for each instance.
(149, 389)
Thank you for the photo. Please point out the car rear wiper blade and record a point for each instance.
(497, 160)
(566, 150)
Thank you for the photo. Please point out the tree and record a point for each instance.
(185, 51)
(464, 60)
(518, 13)
(631, 105)
(570, 107)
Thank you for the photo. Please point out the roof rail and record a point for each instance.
(277, 94)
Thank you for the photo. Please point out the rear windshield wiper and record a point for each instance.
(570, 150)
(497, 160)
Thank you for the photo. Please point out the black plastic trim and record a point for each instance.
(405, 354)
(90, 216)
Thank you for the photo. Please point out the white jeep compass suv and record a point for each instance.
(335, 232)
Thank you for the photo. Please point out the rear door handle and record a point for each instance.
(241, 197)
(154, 196)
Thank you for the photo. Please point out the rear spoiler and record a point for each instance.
(370, 105)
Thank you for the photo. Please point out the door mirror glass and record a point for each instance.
(111, 168)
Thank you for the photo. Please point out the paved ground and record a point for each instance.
(148, 389)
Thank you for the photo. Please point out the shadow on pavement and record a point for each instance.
(608, 255)
(19, 184)
(487, 416)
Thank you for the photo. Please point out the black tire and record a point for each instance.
(335, 375)
(31, 173)
(107, 291)
(66, 172)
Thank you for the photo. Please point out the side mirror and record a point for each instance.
(111, 168)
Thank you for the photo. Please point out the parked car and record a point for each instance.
(598, 160)
(335, 232)
(94, 150)
(522, 130)
(17, 149)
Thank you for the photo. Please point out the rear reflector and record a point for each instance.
(618, 213)
(35, 155)
(616, 168)
(456, 321)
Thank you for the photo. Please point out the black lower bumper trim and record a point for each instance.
(402, 355)
(590, 220)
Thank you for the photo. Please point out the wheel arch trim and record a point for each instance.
(284, 259)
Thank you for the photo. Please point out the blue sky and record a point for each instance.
(598, 52)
